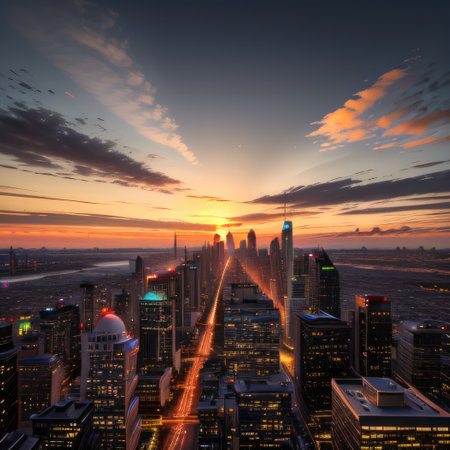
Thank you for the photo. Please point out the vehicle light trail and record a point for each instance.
(182, 411)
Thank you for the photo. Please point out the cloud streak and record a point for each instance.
(351, 190)
(43, 138)
(95, 220)
(395, 209)
(44, 197)
(82, 39)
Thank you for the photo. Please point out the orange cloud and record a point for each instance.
(345, 124)
(426, 140)
(419, 126)
(391, 144)
(386, 121)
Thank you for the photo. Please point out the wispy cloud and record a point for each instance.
(96, 220)
(395, 209)
(44, 197)
(43, 138)
(84, 40)
(209, 198)
(346, 124)
(422, 165)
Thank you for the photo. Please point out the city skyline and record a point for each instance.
(121, 124)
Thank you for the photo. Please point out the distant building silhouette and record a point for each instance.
(251, 243)
(230, 243)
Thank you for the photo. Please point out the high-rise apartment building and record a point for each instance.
(323, 293)
(111, 357)
(40, 380)
(252, 333)
(8, 380)
(60, 329)
(373, 336)
(321, 352)
(377, 412)
(419, 353)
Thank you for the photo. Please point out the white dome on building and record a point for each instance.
(110, 324)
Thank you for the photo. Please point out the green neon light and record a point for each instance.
(327, 268)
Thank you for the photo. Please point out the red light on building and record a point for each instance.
(272, 325)
(81, 324)
(152, 277)
(104, 310)
(171, 269)
(11, 319)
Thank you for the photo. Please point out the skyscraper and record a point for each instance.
(252, 333)
(156, 332)
(40, 380)
(277, 274)
(373, 336)
(287, 253)
(419, 353)
(89, 306)
(321, 352)
(8, 380)
(251, 243)
(230, 243)
(60, 327)
(166, 284)
(111, 357)
(323, 293)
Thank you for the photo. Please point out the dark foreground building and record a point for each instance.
(379, 413)
(67, 424)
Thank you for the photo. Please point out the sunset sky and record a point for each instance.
(121, 122)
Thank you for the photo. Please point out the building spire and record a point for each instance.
(285, 206)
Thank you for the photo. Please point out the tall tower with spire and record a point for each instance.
(175, 245)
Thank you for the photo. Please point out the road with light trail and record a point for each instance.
(181, 418)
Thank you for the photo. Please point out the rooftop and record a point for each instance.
(69, 409)
(152, 296)
(416, 411)
(110, 324)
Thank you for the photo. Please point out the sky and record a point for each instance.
(123, 122)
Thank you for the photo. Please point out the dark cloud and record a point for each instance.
(421, 165)
(393, 209)
(261, 217)
(80, 120)
(50, 91)
(377, 231)
(36, 137)
(25, 85)
(351, 190)
(95, 220)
